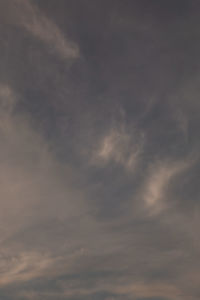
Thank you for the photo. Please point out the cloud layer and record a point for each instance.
(99, 150)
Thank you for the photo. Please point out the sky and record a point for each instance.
(99, 150)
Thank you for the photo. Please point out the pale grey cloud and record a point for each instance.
(34, 188)
(155, 191)
(119, 146)
(26, 14)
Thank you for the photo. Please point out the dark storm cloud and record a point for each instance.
(99, 121)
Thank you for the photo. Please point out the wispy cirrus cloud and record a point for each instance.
(156, 187)
(26, 14)
(24, 266)
(120, 146)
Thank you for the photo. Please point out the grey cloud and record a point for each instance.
(27, 15)
(99, 150)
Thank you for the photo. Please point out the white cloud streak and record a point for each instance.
(27, 15)
(155, 190)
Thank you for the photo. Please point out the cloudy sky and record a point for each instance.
(99, 150)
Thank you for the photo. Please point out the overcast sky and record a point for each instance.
(99, 150)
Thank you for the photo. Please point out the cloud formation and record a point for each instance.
(27, 15)
(157, 183)
(119, 146)
(99, 150)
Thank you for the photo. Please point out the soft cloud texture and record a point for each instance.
(157, 184)
(120, 147)
(25, 13)
(99, 150)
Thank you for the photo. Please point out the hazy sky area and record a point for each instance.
(99, 150)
